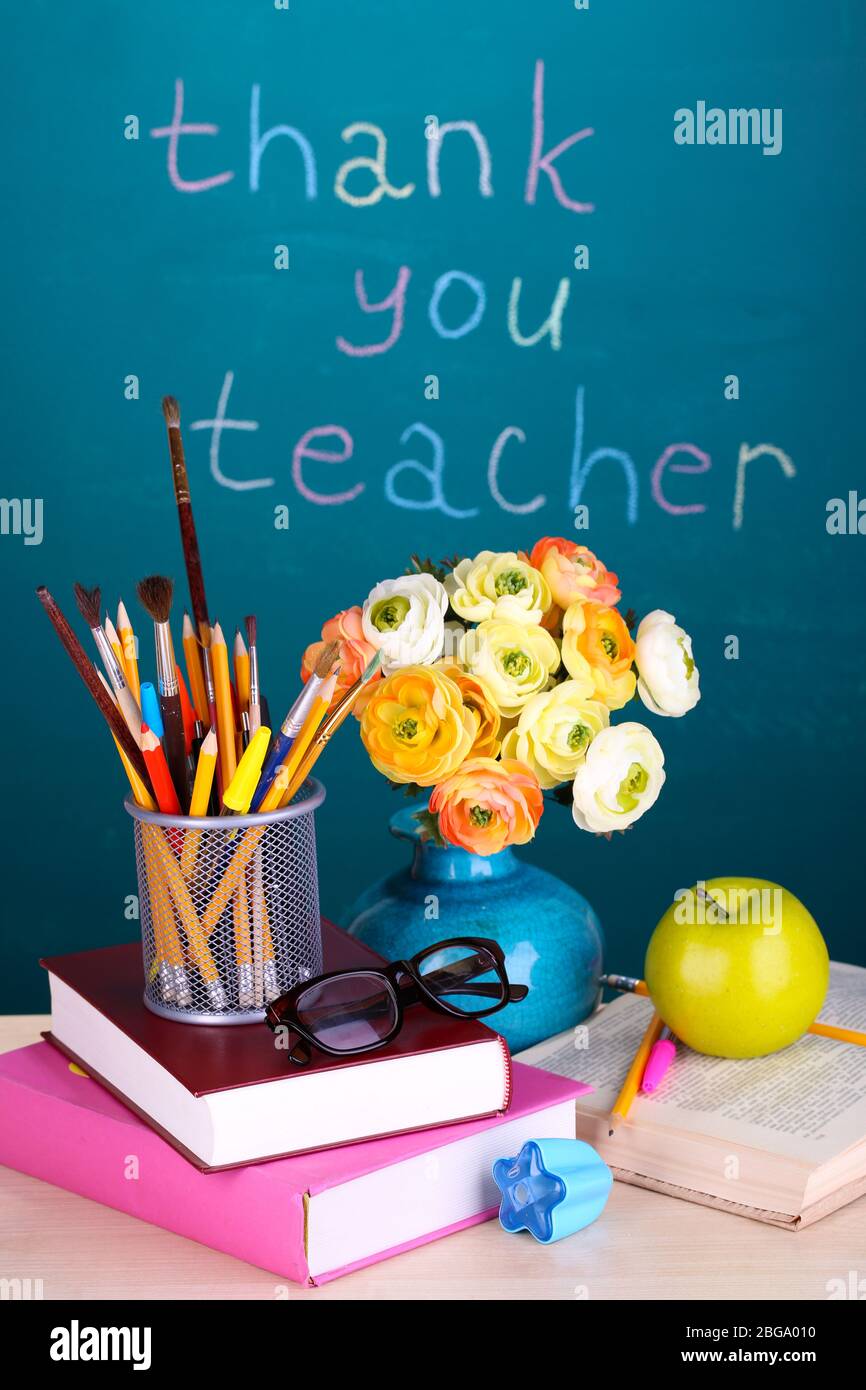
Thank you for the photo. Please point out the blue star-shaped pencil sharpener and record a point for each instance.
(552, 1188)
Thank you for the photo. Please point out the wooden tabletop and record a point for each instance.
(643, 1246)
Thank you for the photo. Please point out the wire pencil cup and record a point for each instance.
(229, 909)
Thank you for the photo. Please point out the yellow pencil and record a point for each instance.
(195, 676)
(276, 795)
(631, 1085)
(626, 983)
(204, 775)
(128, 650)
(242, 672)
(225, 713)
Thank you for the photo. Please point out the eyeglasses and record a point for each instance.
(351, 1011)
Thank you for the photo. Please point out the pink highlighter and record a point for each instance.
(656, 1069)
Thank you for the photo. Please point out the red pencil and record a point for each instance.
(157, 767)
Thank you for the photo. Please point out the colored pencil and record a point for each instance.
(160, 777)
(631, 1085)
(83, 666)
(89, 602)
(129, 649)
(192, 655)
(224, 713)
(242, 672)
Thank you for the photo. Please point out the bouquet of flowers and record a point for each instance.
(498, 679)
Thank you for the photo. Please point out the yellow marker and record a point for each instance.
(128, 651)
(239, 793)
(225, 713)
(195, 676)
(242, 672)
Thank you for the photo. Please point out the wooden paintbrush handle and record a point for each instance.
(175, 746)
(106, 705)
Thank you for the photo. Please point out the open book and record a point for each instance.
(779, 1138)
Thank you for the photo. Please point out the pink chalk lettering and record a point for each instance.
(259, 143)
(396, 300)
(519, 508)
(217, 425)
(538, 161)
(173, 133)
(702, 466)
(303, 451)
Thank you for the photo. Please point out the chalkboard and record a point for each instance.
(558, 289)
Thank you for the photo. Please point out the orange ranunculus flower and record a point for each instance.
(573, 572)
(487, 805)
(355, 654)
(416, 727)
(596, 644)
(478, 699)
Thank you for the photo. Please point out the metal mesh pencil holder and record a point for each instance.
(229, 909)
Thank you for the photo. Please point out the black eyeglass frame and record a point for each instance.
(405, 985)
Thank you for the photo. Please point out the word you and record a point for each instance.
(22, 516)
(77, 1343)
(367, 173)
(311, 450)
(738, 126)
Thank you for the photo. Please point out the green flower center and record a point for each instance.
(479, 815)
(688, 661)
(388, 613)
(515, 662)
(405, 729)
(609, 643)
(510, 582)
(578, 737)
(634, 782)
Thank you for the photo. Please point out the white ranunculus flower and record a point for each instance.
(620, 778)
(498, 585)
(668, 677)
(405, 618)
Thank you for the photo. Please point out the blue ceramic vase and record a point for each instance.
(551, 937)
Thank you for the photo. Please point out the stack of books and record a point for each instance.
(308, 1172)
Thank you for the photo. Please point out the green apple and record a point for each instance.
(737, 967)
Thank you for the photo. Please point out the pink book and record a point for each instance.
(308, 1218)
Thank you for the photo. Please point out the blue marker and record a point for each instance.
(150, 711)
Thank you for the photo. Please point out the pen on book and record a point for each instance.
(659, 1062)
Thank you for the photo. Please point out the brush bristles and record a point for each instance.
(327, 657)
(171, 411)
(89, 603)
(155, 594)
(252, 626)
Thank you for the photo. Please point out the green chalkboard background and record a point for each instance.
(703, 262)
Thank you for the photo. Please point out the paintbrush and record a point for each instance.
(191, 553)
(329, 726)
(86, 671)
(255, 706)
(294, 721)
(89, 603)
(155, 594)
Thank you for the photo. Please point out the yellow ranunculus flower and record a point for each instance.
(478, 699)
(416, 727)
(597, 645)
(498, 586)
(514, 660)
(554, 731)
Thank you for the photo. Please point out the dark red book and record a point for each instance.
(225, 1096)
